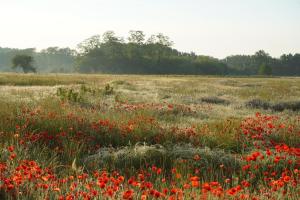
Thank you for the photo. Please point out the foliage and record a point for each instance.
(76, 95)
(24, 62)
(112, 54)
(108, 90)
(52, 59)
(263, 64)
(69, 95)
(153, 55)
(265, 70)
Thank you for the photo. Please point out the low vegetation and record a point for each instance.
(280, 106)
(148, 137)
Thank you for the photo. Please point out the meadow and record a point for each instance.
(149, 137)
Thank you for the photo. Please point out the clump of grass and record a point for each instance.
(120, 82)
(215, 100)
(108, 90)
(258, 104)
(133, 157)
(281, 106)
(294, 106)
(175, 113)
(140, 156)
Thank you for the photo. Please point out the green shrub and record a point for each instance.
(108, 90)
(68, 95)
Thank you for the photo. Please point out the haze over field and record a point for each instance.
(215, 28)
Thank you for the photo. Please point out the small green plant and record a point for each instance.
(108, 90)
(68, 95)
(120, 98)
(88, 90)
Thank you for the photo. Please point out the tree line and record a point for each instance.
(263, 64)
(154, 55)
(138, 54)
(52, 59)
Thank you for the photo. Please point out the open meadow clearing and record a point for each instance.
(149, 137)
(149, 100)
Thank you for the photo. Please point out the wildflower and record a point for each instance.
(158, 171)
(173, 191)
(197, 157)
(206, 187)
(276, 159)
(186, 186)
(10, 186)
(194, 178)
(165, 191)
(245, 183)
(178, 175)
(10, 148)
(44, 178)
(195, 183)
(12, 156)
(128, 194)
(246, 167)
(286, 178)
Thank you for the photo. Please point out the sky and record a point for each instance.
(218, 28)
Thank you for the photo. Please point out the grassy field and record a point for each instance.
(149, 137)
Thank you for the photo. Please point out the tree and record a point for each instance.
(135, 55)
(160, 39)
(136, 37)
(23, 61)
(110, 37)
(89, 44)
(261, 57)
(265, 69)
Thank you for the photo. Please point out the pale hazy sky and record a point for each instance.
(209, 27)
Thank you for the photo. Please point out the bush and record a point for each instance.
(258, 104)
(294, 106)
(281, 106)
(108, 90)
(215, 100)
(68, 95)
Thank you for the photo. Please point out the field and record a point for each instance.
(149, 137)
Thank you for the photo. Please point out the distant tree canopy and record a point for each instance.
(138, 54)
(55, 59)
(265, 69)
(112, 54)
(52, 59)
(24, 62)
(262, 62)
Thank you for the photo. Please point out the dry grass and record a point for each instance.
(159, 120)
(196, 92)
